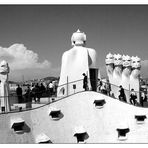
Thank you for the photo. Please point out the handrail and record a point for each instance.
(58, 98)
(40, 92)
(70, 82)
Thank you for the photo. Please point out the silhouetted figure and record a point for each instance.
(19, 94)
(133, 97)
(56, 86)
(37, 92)
(85, 82)
(28, 94)
(28, 97)
(108, 88)
(42, 89)
(122, 96)
(47, 90)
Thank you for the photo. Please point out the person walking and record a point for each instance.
(133, 97)
(122, 96)
(85, 82)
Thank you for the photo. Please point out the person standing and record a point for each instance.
(19, 94)
(33, 92)
(99, 85)
(108, 88)
(85, 82)
(133, 97)
(51, 88)
(28, 97)
(37, 92)
(103, 89)
(143, 98)
(42, 89)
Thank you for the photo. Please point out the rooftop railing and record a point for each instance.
(47, 97)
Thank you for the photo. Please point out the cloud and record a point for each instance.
(19, 57)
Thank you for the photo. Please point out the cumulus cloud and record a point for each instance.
(19, 57)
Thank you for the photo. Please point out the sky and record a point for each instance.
(34, 37)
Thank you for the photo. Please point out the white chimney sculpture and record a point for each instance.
(75, 62)
(123, 70)
(4, 86)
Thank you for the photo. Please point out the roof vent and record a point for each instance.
(42, 138)
(140, 119)
(122, 132)
(99, 103)
(18, 124)
(81, 134)
(55, 113)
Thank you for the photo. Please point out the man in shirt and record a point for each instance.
(133, 97)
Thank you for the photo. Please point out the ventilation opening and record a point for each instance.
(122, 133)
(81, 134)
(140, 118)
(55, 113)
(80, 137)
(43, 139)
(18, 125)
(45, 142)
(99, 103)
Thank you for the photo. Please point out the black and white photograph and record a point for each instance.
(73, 74)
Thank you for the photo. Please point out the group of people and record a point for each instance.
(32, 92)
(35, 92)
(104, 88)
(133, 96)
